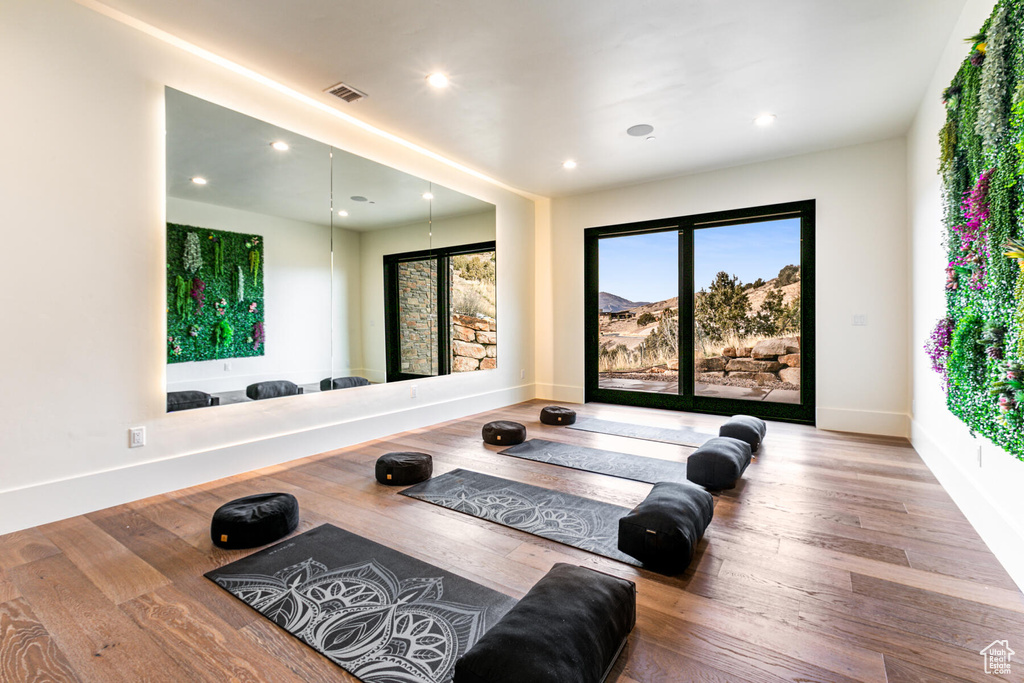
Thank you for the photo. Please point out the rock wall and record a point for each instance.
(417, 318)
(771, 360)
(474, 344)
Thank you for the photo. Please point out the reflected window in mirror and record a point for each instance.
(440, 311)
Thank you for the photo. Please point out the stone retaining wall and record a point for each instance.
(474, 343)
(771, 360)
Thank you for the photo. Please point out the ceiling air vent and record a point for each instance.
(345, 92)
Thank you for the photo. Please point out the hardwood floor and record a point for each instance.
(838, 558)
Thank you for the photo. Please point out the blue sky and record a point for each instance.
(645, 267)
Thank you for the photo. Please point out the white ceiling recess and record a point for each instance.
(536, 82)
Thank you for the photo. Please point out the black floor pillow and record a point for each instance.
(254, 520)
(718, 463)
(569, 628)
(745, 428)
(557, 415)
(402, 469)
(504, 433)
(663, 531)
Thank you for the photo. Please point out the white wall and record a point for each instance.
(861, 254)
(989, 493)
(478, 227)
(82, 284)
(347, 347)
(297, 301)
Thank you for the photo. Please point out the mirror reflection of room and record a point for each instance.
(275, 260)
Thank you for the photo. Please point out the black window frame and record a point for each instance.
(686, 400)
(442, 258)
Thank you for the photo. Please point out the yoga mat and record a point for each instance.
(683, 436)
(612, 463)
(379, 614)
(580, 522)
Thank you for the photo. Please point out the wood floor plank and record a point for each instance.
(27, 652)
(114, 569)
(837, 558)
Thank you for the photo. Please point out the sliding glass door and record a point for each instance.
(710, 313)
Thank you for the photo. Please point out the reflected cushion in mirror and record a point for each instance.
(327, 384)
(275, 389)
(503, 433)
(187, 400)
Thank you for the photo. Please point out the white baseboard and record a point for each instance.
(863, 421)
(560, 392)
(1001, 533)
(51, 501)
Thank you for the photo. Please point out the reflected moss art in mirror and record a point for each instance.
(214, 294)
(978, 347)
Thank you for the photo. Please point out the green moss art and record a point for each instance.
(982, 166)
(210, 309)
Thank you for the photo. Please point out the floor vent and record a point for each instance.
(345, 92)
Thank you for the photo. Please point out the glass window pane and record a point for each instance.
(474, 342)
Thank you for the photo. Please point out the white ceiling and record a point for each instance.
(535, 82)
(232, 152)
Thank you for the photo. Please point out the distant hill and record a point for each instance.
(609, 303)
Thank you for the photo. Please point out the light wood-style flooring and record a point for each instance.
(838, 558)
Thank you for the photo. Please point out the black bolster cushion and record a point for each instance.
(262, 390)
(254, 520)
(718, 463)
(745, 428)
(557, 415)
(663, 531)
(187, 400)
(503, 433)
(569, 628)
(327, 383)
(402, 469)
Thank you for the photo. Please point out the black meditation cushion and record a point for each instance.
(254, 520)
(402, 469)
(557, 415)
(664, 529)
(569, 628)
(718, 463)
(504, 433)
(274, 389)
(327, 384)
(745, 428)
(187, 400)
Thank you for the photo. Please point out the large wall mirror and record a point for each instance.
(278, 253)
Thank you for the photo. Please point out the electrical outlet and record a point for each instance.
(522, 374)
(136, 437)
(412, 391)
(860, 320)
(227, 367)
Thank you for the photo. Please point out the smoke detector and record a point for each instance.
(345, 92)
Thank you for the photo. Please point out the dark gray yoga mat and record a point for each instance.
(612, 463)
(379, 614)
(683, 436)
(580, 522)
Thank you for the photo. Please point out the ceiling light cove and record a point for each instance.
(765, 120)
(198, 180)
(569, 164)
(280, 146)
(438, 80)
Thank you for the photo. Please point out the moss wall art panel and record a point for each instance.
(214, 294)
(978, 348)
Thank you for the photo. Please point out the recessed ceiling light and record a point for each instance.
(199, 181)
(280, 146)
(569, 163)
(428, 195)
(640, 130)
(650, 137)
(357, 198)
(765, 119)
(438, 80)
(343, 213)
